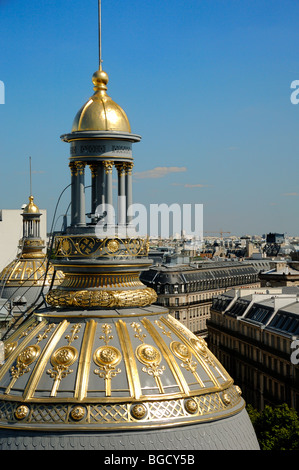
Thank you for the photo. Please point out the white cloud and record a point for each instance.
(291, 194)
(159, 172)
(196, 185)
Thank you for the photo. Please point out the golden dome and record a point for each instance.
(31, 208)
(100, 112)
(119, 372)
(31, 271)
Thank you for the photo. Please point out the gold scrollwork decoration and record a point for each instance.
(93, 246)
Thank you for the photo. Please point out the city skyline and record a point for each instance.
(206, 84)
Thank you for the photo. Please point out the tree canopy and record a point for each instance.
(276, 428)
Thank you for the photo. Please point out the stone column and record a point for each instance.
(129, 194)
(121, 193)
(108, 165)
(74, 211)
(80, 193)
(93, 169)
(101, 184)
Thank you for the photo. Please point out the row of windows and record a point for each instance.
(253, 353)
(203, 311)
(206, 285)
(197, 325)
(273, 340)
(182, 301)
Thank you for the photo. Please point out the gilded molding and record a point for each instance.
(129, 359)
(93, 247)
(81, 386)
(142, 414)
(101, 298)
(44, 358)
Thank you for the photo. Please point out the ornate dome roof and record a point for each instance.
(31, 271)
(102, 371)
(100, 112)
(31, 208)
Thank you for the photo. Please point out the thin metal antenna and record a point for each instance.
(100, 35)
(30, 176)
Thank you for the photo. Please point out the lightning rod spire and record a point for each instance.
(100, 34)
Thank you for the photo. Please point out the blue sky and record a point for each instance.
(206, 83)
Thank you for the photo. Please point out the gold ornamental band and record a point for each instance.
(142, 414)
(92, 246)
(101, 298)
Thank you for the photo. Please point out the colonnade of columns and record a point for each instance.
(31, 227)
(101, 189)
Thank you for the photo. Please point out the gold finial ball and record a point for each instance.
(100, 78)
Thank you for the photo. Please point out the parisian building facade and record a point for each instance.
(188, 290)
(255, 334)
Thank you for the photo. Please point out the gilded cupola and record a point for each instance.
(100, 112)
(29, 275)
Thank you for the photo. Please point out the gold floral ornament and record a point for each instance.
(191, 406)
(22, 412)
(181, 351)
(200, 347)
(226, 398)
(10, 347)
(163, 328)
(139, 411)
(78, 413)
(113, 246)
(107, 358)
(65, 247)
(151, 358)
(26, 358)
(62, 359)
